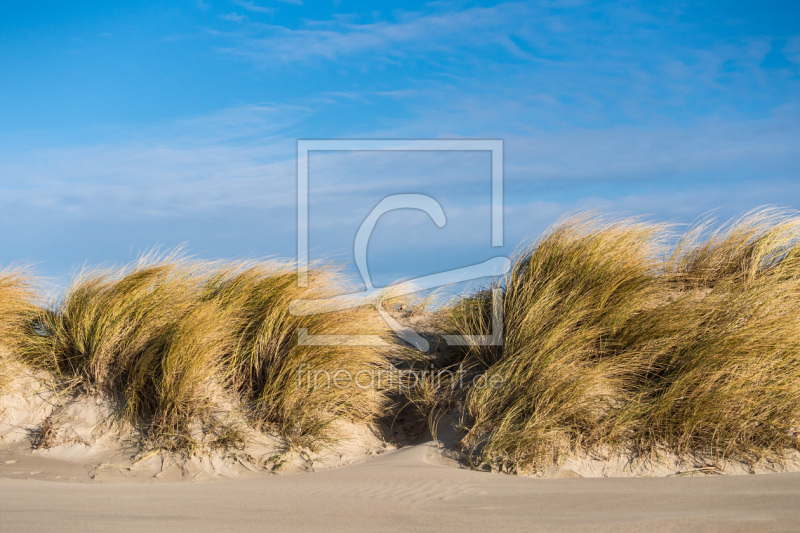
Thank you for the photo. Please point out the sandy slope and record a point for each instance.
(92, 478)
(408, 489)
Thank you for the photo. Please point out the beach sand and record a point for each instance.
(407, 489)
(91, 476)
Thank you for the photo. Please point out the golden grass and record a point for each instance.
(725, 347)
(18, 310)
(175, 342)
(564, 302)
(287, 384)
(609, 343)
(760, 242)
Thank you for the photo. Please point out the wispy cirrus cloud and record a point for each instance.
(594, 63)
(232, 159)
(253, 7)
(227, 181)
(616, 104)
(243, 158)
(339, 37)
(233, 17)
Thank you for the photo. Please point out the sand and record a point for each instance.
(92, 476)
(408, 489)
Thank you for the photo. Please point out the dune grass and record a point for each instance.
(613, 340)
(176, 342)
(18, 311)
(725, 346)
(286, 383)
(610, 343)
(560, 367)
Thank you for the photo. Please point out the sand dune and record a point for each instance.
(91, 481)
(408, 489)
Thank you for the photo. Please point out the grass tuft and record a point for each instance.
(19, 308)
(287, 384)
(564, 302)
(611, 343)
(725, 346)
(178, 342)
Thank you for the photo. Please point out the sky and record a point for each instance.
(129, 125)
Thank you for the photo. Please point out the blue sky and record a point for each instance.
(125, 125)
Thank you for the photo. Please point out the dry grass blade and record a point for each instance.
(608, 346)
(565, 300)
(725, 348)
(176, 341)
(19, 309)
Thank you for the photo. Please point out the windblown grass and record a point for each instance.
(762, 242)
(288, 384)
(725, 347)
(18, 311)
(559, 367)
(177, 342)
(609, 343)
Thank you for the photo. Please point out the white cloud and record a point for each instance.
(253, 7)
(594, 64)
(336, 38)
(243, 158)
(233, 17)
(232, 159)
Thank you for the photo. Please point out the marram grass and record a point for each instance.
(176, 342)
(18, 310)
(287, 384)
(562, 366)
(613, 340)
(725, 345)
(612, 344)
